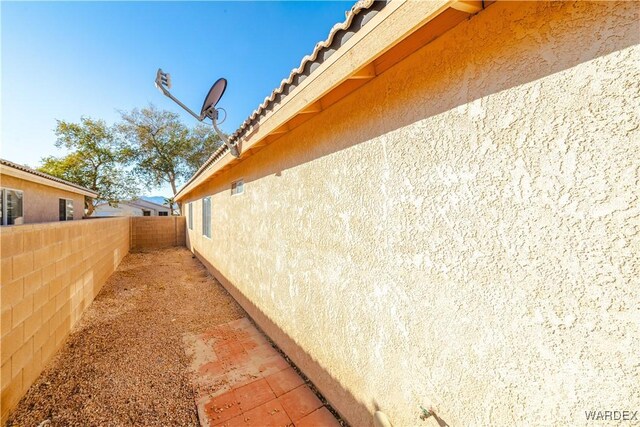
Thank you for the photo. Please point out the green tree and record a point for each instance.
(156, 144)
(94, 161)
(170, 201)
(203, 142)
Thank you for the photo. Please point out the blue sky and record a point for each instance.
(63, 60)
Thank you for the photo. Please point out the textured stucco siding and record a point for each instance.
(462, 232)
(40, 203)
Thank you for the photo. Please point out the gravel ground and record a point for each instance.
(124, 362)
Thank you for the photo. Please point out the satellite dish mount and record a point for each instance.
(209, 110)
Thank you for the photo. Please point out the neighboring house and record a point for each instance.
(138, 207)
(29, 196)
(439, 209)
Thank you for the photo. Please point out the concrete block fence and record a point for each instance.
(157, 232)
(50, 273)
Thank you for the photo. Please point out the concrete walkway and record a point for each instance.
(241, 380)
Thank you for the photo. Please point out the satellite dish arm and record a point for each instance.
(233, 149)
(166, 92)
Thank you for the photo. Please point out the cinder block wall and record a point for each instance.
(50, 273)
(157, 232)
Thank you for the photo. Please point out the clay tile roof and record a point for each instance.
(355, 18)
(44, 175)
(339, 34)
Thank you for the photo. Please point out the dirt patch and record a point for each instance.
(124, 362)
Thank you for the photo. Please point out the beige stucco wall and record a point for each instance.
(50, 273)
(40, 203)
(461, 232)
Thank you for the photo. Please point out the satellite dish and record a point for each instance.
(163, 83)
(214, 95)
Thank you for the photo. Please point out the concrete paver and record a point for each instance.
(241, 380)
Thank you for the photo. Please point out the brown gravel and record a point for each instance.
(124, 362)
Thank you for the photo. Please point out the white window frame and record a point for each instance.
(66, 207)
(234, 187)
(206, 219)
(3, 194)
(190, 215)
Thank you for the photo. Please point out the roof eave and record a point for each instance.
(353, 60)
(43, 179)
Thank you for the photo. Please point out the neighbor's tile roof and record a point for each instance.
(44, 175)
(359, 14)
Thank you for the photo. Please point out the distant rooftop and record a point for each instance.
(34, 172)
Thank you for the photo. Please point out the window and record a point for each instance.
(206, 217)
(190, 216)
(146, 213)
(237, 187)
(65, 209)
(163, 213)
(11, 207)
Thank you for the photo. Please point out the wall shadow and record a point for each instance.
(337, 396)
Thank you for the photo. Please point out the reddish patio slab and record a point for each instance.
(270, 414)
(319, 417)
(254, 394)
(284, 381)
(239, 379)
(299, 402)
(221, 408)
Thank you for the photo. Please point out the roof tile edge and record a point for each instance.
(26, 169)
(359, 7)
